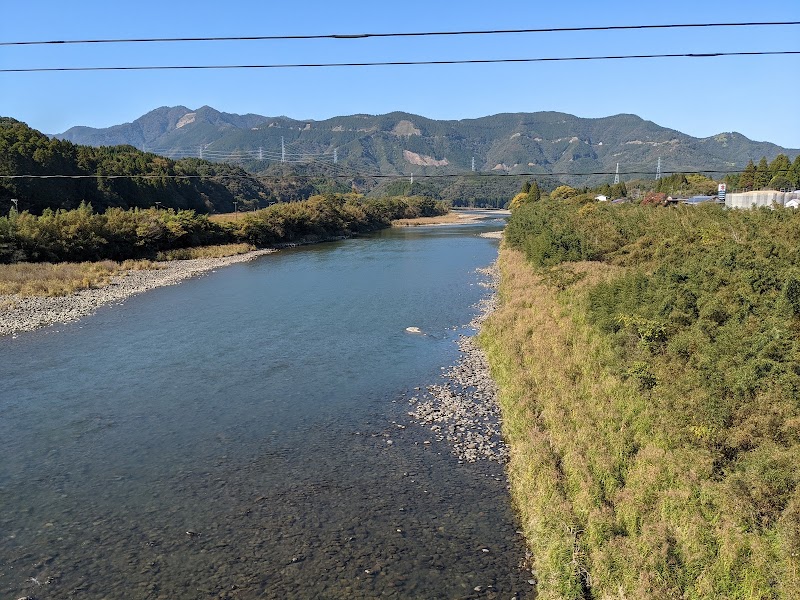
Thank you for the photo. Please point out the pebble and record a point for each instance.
(464, 410)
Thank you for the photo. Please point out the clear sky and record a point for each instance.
(757, 96)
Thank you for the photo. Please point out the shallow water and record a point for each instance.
(229, 437)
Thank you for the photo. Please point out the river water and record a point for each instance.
(229, 437)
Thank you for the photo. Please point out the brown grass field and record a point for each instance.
(61, 279)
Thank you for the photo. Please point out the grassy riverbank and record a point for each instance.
(61, 279)
(650, 398)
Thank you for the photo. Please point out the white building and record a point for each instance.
(760, 198)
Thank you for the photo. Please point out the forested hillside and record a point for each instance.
(648, 364)
(91, 173)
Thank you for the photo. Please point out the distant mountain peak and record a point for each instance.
(390, 144)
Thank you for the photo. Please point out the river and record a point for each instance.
(229, 437)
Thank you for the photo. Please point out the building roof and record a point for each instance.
(699, 199)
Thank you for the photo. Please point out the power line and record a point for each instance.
(354, 36)
(404, 62)
(466, 175)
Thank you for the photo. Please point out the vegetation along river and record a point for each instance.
(229, 437)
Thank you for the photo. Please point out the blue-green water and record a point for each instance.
(227, 437)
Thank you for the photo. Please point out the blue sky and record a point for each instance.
(757, 96)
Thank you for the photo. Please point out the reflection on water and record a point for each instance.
(241, 436)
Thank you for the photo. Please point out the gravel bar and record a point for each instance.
(464, 410)
(20, 313)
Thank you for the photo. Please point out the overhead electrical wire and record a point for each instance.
(468, 174)
(356, 36)
(402, 62)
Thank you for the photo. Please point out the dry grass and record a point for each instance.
(46, 279)
(227, 217)
(447, 219)
(61, 279)
(610, 501)
(205, 252)
(555, 395)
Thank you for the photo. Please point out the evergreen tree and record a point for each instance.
(534, 194)
(732, 181)
(747, 178)
(794, 173)
(526, 187)
(780, 182)
(762, 174)
(780, 166)
(618, 190)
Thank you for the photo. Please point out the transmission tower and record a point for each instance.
(616, 175)
(283, 151)
(473, 164)
(260, 153)
(412, 179)
(335, 155)
(658, 169)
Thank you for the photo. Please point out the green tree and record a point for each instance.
(563, 192)
(618, 190)
(780, 166)
(747, 178)
(534, 193)
(762, 174)
(794, 173)
(780, 182)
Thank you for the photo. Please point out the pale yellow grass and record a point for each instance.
(60, 279)
(567, 419)
(447, 219)
(219, 251)
(226, 217)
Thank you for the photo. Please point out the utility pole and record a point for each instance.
(616, 175)
(15, 202)
(235, 209)
(283, 151)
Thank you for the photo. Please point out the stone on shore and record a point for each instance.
(464, 409)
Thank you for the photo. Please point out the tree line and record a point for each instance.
(780, 174)
(82, 234)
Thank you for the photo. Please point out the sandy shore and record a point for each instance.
(18, 313)
(454, 217)
(464, 410)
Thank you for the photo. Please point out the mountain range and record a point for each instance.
(399, 143)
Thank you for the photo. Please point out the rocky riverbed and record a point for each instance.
(463, 410)
(19, 313)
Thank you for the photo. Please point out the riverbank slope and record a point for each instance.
(647, 367)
